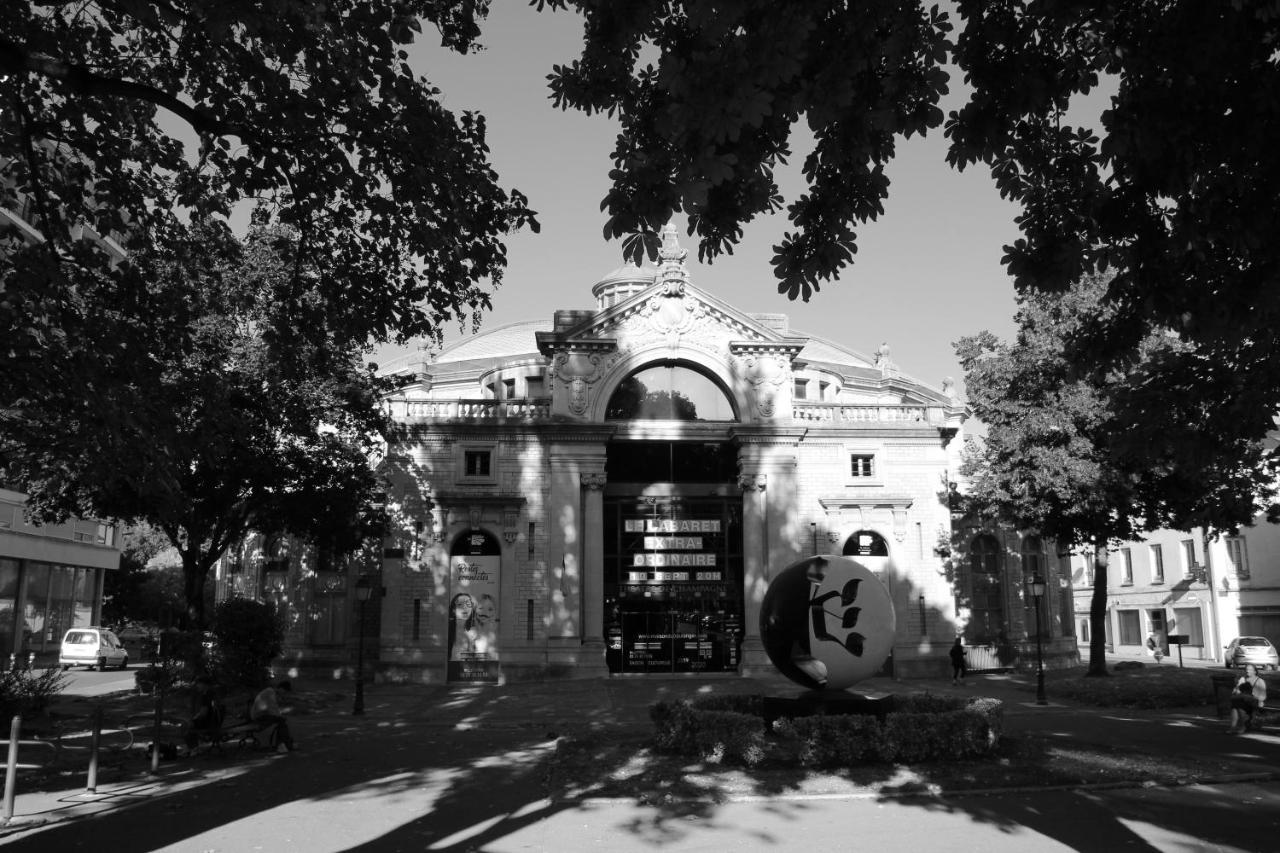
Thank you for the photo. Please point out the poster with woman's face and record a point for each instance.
(473, 618)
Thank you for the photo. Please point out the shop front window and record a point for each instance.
(8, 606)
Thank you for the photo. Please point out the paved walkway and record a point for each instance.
(467, 747)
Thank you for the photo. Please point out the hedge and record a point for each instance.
(921, 727)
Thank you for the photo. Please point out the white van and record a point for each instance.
(92, 647)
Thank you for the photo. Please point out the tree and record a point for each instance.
(124, 594)
(704, 127)
(1054, 459)
(309, 108)
(220, 419)
(1174, 192)
(1174, 196)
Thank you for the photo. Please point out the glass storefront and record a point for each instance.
(8, 606)
(673, 584)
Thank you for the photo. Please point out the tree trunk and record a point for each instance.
(195, 573)
(1098, 610)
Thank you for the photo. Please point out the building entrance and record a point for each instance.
(673, 583)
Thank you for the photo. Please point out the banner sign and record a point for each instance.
(473, 618)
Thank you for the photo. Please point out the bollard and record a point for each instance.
(91, 785)
(11, 771)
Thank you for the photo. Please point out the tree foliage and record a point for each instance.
(1055, 459)
(309, 108)
(248, 636)
(216, 418)
(1175, 196)
(707, 122)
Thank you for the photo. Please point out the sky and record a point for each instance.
(926, 273)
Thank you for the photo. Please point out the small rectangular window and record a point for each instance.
(802, 387)
(1126, 567)
(508, 389)
(1130, 628)
(534, 387)
(1157, 564)
(476, 463)
(862, 465)
(1188, 555)
(1238, 555)
(6, 517)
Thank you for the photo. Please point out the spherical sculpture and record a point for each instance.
(827, 622)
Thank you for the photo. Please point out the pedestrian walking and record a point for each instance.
(959, 665)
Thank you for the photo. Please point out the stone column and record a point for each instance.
(593, 571)
(563, 542)
(755, 569)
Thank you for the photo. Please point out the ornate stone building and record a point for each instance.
(613, 488)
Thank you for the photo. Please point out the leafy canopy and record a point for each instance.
(1056, 457)
(308, 108)
(705, 124)
(1175, 196)
(213, 417)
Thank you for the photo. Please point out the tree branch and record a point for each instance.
(14, 59)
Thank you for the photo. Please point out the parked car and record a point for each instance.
(1255, 650)
(92, 647)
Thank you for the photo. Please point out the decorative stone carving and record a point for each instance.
(578, 371)
(672, 273)
(752, 482)
(766, 372)
(594, 482)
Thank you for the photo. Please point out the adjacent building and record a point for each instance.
(1202, 590)
(51, 578)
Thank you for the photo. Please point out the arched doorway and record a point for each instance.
(475, 571)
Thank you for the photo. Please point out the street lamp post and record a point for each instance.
(364, 588)
(1037, 591)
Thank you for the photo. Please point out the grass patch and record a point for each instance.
(1145, 687)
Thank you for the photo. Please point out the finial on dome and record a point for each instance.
(672, 273)
(671, 249)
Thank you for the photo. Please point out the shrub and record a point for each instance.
(25, 693)
(248, 636)
(717, 736)
(834, 741)
(152, 677)
(921, 728)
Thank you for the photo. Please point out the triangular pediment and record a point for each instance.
(673, 314)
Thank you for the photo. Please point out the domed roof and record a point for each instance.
(628, 273)
(506, 341)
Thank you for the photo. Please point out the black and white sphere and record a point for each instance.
(827, 622)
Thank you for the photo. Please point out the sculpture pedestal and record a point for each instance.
(818, 703)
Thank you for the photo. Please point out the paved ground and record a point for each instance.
(431, 767)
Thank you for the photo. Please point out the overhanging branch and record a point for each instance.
(14, 59)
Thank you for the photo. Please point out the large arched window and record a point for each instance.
(1033, 566)
(669, 392)
(986, 590)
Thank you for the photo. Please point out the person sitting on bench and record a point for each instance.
(1247, 700)
(206, 712)
(266, 709)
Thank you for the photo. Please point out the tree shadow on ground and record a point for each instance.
(461, 769)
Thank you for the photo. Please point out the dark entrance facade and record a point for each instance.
(673, 567)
